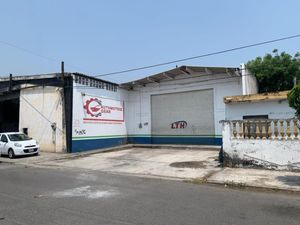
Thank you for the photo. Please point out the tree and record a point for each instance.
(294, 99)
(275, 72)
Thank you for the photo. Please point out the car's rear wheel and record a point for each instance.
(11, 154)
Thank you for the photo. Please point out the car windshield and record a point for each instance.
(18, 137)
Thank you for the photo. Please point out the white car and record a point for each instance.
(16, 143)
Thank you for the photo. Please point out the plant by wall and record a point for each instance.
(294, 99)
(275, 71)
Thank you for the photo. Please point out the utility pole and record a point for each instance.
(10, 82)
(63, 106)
(63, 72)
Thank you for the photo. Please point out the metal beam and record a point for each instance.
(189, 70)
(151, 80)
(229, 72)
(208, 71)
(184, 70)
(168, 76)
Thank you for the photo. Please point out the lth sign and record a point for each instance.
(179, 125)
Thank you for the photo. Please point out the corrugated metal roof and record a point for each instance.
(50, 75)
(182, 70)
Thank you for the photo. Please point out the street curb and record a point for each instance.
(243, 186)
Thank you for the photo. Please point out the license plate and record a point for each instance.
(31, 150)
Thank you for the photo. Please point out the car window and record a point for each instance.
(4, 138)
(18, 137)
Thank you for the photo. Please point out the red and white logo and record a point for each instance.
(103, 109)
(93, 107)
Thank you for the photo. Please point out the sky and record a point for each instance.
(97, 37)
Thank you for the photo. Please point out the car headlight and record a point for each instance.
(36, 143)
(18, 145)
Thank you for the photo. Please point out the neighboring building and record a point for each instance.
(261, 130)
(263, 106)
(180, 106)
(47, 109)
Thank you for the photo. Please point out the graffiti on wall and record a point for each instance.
(80, 132)
(179, 125)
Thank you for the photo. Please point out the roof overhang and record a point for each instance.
(182, 70)
(272, 96)
(50, 76)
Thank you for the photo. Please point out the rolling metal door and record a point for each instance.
(184, 113)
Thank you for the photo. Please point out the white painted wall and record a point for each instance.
(39, 108)
(274, 109)
(95, 129)
(269, 153)
(250, 85)
(138, 108)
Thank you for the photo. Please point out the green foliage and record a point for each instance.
(275, 72)
(294, 99)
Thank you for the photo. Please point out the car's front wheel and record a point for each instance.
(11, 154)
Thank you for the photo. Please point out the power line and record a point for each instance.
(36, 54)
(39, 112)
(159, 64)
(199, 56)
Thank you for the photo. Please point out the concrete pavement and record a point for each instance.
(168, 163)
(72, 196)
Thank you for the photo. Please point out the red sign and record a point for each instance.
(102, 109)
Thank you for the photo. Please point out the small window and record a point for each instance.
(255, 117)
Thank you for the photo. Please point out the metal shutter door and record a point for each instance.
(196, 108)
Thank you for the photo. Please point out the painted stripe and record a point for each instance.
(99, 137)
(149, 136)
(106, 120)
(86, 143)
(174, 135)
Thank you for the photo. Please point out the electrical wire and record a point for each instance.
(199, 56)
(163, 63)
(35, 109)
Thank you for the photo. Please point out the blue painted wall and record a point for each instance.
(93, 144)
(176, 140)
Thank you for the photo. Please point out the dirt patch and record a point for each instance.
(189, 164)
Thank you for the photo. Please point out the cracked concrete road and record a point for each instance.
(72, 196)
(151, 162)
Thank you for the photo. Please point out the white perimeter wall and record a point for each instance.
(280, 154)
(274, 109)
(138, 108)
(39, 108)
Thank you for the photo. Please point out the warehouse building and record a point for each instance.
(75, 112)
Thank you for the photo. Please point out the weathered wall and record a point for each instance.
(139, 104)
(41, 107)
(98, 131)
(280, 153)
(274, 109)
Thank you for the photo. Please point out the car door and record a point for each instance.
(3, 144)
